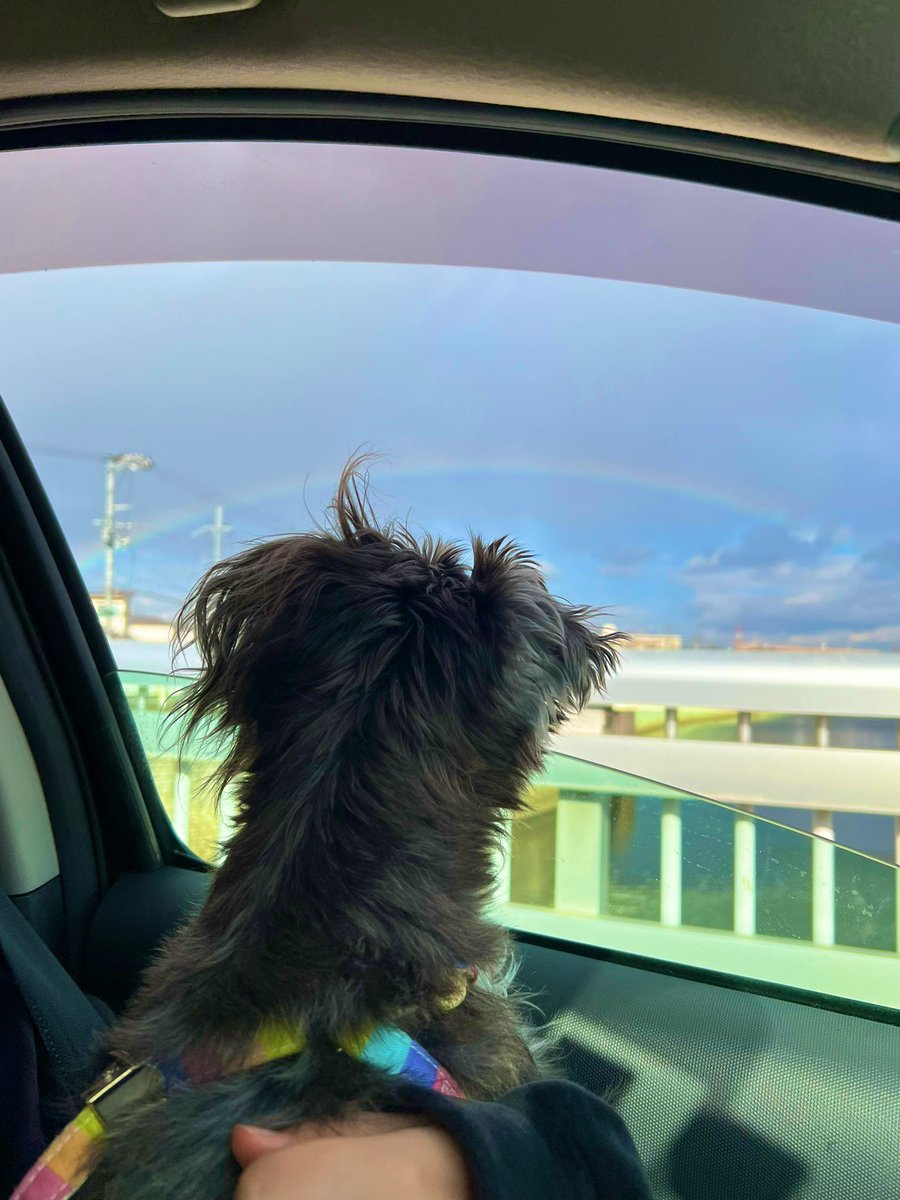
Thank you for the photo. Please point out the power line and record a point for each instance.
(189, 485)
(115, 534)
(59, 452)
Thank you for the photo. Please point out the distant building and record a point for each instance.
(740, 643)
(655, 641)
(150, 629)
(648, 641)
(119, 621)
(113, 613)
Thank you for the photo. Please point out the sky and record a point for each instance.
(691, 462)
(691, 458)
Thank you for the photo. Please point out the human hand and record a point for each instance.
(373, 1156)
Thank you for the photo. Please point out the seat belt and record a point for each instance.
(68, 1023)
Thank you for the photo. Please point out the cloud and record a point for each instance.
(765, 546)
(626, 562)
(883, 635)
(786, 588)
(885, 556)
(806, 598)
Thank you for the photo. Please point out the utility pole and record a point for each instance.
(114, 534)
(217, 529)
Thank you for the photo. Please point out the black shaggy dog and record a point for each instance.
(386, 704)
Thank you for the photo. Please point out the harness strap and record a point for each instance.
(64, 1166)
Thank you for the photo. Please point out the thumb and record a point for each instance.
(249, 1142)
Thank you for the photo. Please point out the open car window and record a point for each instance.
(681, 398)
(605, 858)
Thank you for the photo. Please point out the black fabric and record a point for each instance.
(545, 1141)
(70, 1026)
(23, 1133)
(129, 924)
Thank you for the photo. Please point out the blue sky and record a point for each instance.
(691, 461)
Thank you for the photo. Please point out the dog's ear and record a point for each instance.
(500, 578)
(564, 654)
(592, 652)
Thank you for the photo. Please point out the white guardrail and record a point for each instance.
(745, 775)
(743, 772)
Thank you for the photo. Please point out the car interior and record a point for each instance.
(744, 1063)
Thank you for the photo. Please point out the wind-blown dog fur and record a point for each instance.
(385, 703)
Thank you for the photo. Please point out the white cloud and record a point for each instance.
(768, 545)
(841, 599)
(884, 634)
(801, 586)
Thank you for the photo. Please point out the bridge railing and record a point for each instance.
(747, 773)
(752, 778)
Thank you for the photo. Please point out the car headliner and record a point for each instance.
(819, 76)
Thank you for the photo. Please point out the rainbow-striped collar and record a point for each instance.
(64, 1165)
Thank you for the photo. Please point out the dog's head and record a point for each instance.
(359, 644)
(386, 699)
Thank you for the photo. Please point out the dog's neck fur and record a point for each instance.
(310, 923)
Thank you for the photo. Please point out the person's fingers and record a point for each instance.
(406, 1164)
(248, 1142)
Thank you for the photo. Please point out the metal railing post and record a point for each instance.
(744, 872)
(670, 862)
(671, 722)
(583, 835)
(181, 808)
(823, 878)
(744, 727)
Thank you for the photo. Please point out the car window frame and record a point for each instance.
(148, 116)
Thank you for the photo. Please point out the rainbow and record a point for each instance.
(666, 484)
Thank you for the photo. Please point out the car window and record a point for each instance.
(609, 859)
(613, 860)
(681, 398)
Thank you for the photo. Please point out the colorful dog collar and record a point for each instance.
(64, 1166)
